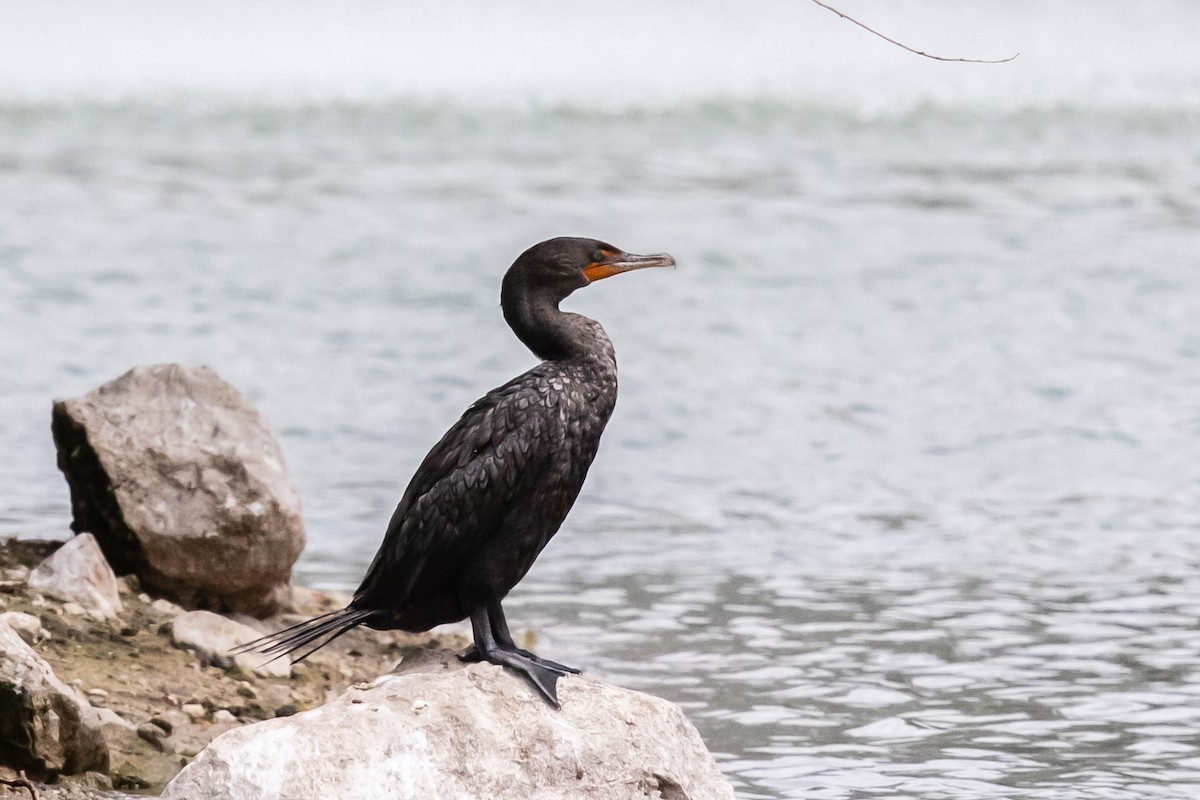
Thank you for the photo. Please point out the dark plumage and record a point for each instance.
(492, 492)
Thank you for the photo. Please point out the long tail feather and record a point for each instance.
(323, 630)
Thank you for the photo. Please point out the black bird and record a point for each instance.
(492, 492)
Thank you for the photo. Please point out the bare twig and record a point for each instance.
(849, 18)
(22, 783)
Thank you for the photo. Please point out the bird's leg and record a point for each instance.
(544, 679)
(504, 638)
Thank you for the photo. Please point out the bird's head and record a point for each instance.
(560, 266)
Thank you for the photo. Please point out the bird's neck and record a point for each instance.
(552, 334)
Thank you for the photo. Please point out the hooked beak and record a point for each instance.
(624, 262)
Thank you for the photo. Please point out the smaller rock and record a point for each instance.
(153, 735)
(163, 723)
(245, 690)
(73, 609)
(27, 626)
(109, 718)
(95, 781)
(17, 574)
(48, 728)
(213, 636)
(163, 606)
(224, 715)
(195, 711)
(77, 572)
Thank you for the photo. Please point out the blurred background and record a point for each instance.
(901, 497)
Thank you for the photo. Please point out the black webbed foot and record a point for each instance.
(541, 673)
(499, 649)
(554, 665)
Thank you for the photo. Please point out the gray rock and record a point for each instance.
(183, 484)
(78, 572)
(164, 606)
(27, 626)
(45, 726)
(443, 729)
(213, 636)
(111, 719)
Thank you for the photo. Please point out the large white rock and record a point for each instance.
(78, 572)
(183, 484)
(213, 636)
(45, 726)
(454, 732)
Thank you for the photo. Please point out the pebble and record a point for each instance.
(245, 690)
(17, 574)
(153, 735)
(163, 723)
(74, 609)
(224, 715)
(195, 711)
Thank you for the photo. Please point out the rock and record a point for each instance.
(153, 735)
(194, 711)
(45, 726)
(223, 715)
(444, 729)
(166, 607)
(78, 572)
(17, 574)
(164, 724)
(213, 636)
(95, 781)
(109, 718)
(27, 626)
(183, 485)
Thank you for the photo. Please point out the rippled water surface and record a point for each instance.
(902, 494)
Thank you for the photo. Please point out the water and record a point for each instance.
(901, 495)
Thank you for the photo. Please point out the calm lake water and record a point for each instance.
(902, 494)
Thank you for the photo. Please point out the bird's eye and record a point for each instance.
(597, 256)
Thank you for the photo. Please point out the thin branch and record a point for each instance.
(22, 783)
(909, 49)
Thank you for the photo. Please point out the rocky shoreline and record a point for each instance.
(161, 702)
(128, 684)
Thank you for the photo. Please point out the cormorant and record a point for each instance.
(489, 495)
